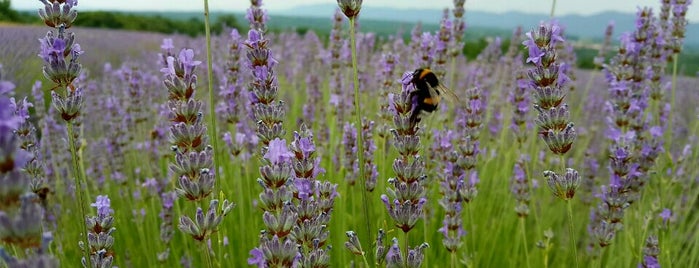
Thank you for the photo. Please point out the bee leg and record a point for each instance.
(415, 115)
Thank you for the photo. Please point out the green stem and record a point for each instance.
(212, 98)
(407, 248)
(601, 257)
(597, 262)
(424, 238)
(366, 263)
(453, 259)
(546, 255)
(473, 231)
(207, 256)
(572, 232)
(79, 189)
(664, 249)
(360, 140)
(524, 240)
(553, 8)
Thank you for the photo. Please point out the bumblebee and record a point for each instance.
(428, 92)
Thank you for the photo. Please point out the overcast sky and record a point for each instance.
(582, 7)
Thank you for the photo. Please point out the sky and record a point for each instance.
(563, 7)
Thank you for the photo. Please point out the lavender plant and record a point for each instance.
(60, 54)
(99, 236)
(405, 198)
(657, 195)
(315, 200)
(21, 215)
(192, 167)
(351, 9)
(555, 129)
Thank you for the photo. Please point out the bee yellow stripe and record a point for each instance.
(431, 101)
(424, 73)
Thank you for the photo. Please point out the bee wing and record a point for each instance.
(445, 91)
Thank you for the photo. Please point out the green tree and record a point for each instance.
(7, 13)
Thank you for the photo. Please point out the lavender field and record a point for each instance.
(259, 148)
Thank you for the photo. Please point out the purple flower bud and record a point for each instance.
(277, 152)
(103, 206)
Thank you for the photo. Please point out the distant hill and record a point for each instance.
(584, 27)
(389, 20)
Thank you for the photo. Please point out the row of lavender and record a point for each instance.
(297, 204)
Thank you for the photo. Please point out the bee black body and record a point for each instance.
(423, 80)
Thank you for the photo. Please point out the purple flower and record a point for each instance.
(304, 187)
(666, 214)
(167, 44)
(103, 205)
(278, 152)
(8, 120)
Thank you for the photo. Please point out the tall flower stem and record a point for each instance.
(78, 188)
(553, 8)
(471, 237)
(601, 256)
(407, 248)
(212, 97)
(360, 140)
(205, 251)
(212, 106)
(366, 263)
(524, 240)
(573, 244)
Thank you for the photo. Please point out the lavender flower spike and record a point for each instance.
(548, 82)
(99, 235)
(350, 8)
(205, 224)
(563, 186)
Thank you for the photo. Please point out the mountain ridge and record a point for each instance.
(589, 27)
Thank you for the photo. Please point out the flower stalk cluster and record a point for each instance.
(651, 251)
(60, 54)
(520, 99)
(635, 146)
(608, 32)
(554, 126)
(99, 235)
(424, 56)
(315, 200)
(279, 216)
(337, 50)
(267, 112)
(406, 195)
(386, 74)
(167, 230)
(257, 16)
(192, 167)
(232, 93)
(349, 145)
(205, 224)
(443, 40)
(521, 188)
(679, 25)
(351, 158)
(469, 122)
(451, 186)
(549, 84)
(276, 248)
